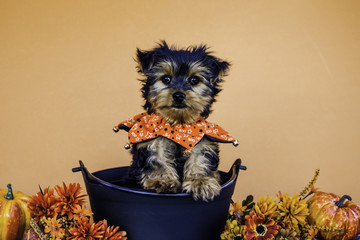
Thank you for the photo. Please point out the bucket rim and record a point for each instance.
(89, 177)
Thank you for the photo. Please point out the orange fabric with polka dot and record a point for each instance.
(144, 127)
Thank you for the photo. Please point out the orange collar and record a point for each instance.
(143, 127)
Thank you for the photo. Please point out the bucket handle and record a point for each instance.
(87, 174)
(234, 172)
(238, 165)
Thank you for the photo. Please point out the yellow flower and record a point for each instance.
(293, 211)
(232, 230)
(266, 206)
(81, 211)
(53, 228)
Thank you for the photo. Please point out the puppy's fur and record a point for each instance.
(180, 85)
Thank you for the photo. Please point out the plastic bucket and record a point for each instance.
(147, 215)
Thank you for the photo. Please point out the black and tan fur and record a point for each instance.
(180, 85)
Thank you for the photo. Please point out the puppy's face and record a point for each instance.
(180, 85)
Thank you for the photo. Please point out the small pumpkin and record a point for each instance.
(328, 210)
(14, 214)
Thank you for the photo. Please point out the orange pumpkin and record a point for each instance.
(334, 212)
(14, 214)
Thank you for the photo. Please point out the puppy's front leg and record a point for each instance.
(160, 173)
(201, 178)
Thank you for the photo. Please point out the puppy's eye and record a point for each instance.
(166, 80)
(194, 80)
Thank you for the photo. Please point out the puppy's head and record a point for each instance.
(180, 84)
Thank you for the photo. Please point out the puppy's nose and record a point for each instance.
(179, 97)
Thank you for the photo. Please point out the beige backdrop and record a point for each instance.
(292, 97)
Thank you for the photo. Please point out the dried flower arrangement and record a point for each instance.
(65, 216)
(281, 217)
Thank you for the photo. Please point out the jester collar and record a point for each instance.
(144, 127)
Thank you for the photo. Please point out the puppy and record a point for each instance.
(174, 148)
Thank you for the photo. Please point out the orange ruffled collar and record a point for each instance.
(144, 127)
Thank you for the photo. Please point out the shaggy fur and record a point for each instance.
(180, 85)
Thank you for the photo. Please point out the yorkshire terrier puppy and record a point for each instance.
(174, 149)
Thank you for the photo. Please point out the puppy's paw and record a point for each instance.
(204, 188)
(161, 185)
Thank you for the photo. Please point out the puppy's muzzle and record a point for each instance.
(179, 100)
(179, 97)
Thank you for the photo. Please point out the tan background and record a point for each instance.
(292, 98)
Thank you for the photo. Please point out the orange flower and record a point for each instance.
(53, 227)
(237, 209)
(258, 229)
(43, 204)
(69, 198)
(112, 233)
(81, 211)
(84, 230)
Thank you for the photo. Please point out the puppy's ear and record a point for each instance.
(219, 69)
(145, 60)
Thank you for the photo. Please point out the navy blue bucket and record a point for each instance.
(147, 215)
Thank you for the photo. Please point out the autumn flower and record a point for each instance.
(81, 211)
(258, 228)
(66, 217)
(84, 230)
(266, 206)
(293, 211)
(53, 227)
(232, 231)
(42, 204)
(69, 199)
(237, 209)
(112, 233)
(286, 234)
